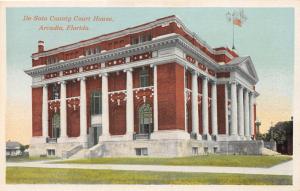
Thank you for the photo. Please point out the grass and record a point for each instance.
(28, 159)
(206, 160)
(23, 175)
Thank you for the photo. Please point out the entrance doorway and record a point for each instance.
(94, 133)
(145, 119)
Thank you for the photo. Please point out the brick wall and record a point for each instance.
(170, 96)
(37, 100)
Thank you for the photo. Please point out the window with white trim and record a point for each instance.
(96, 103)
(144, 78)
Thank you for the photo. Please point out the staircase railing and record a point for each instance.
(72, 151)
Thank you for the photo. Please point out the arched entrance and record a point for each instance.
(145, 119)
(55, 126)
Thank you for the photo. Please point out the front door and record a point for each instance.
(145, 118)
(95, 136)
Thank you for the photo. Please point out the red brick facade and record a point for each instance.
(37, 94)
(170, 94)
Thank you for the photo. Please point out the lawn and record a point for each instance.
(206, 160)
(28, 159)
(23, 175)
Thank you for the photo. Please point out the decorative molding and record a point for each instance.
(117, 97)
(73, 102)
(54, 105)
(144, 93)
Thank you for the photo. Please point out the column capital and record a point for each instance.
(63, 82)
(204, 77)
(240, 86)
(81, 78)
(153, 65)
(246, 90)
(45, 85)
(232, 82)
(103, 74)
(195, 72)
(128, 70)
(214, 82)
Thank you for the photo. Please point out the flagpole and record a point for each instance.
(233, 33)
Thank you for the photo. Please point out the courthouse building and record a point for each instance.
(155, 89)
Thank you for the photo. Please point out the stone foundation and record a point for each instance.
(59, 148)
(152, 148)
(174, 148)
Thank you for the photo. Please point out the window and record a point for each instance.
(215, 149)
(98, 50)
(51, 152)
(206, 150)
(194, 150)
(141, 38)
(135, 40)
(141, 151)
(149, 37)
(56, 126)
(96, 106)
(55, 92)
(144, 78)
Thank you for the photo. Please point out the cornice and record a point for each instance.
(157, 61)
(169, 41)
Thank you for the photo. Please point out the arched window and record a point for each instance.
(56, 125)
(96, 103)
(145, 119)
(144, 78)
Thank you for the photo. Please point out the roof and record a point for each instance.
(13, 145)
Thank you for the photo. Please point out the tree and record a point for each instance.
(281, 132)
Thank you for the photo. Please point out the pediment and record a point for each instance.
(247, 67)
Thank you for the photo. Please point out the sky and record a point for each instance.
(267, 36)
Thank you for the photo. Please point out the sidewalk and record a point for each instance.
(285, 168)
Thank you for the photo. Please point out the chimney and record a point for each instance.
(41, 46)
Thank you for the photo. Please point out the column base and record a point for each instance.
(214, 137)
(104, 138)
(234, 138)
(206, 137)
(248, 138)
(170, 134)
(38, 140)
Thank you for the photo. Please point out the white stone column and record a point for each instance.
(233, 130)
(83, 121)
(214, 113)
(226, 110)
(251, 116)
(195, 113)
(155, 100)
(205, 107)
(241, 112)
(45, 112)
(105, 106)
(63, 110)
(129, 105)
(185, 102)
(247, 120)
